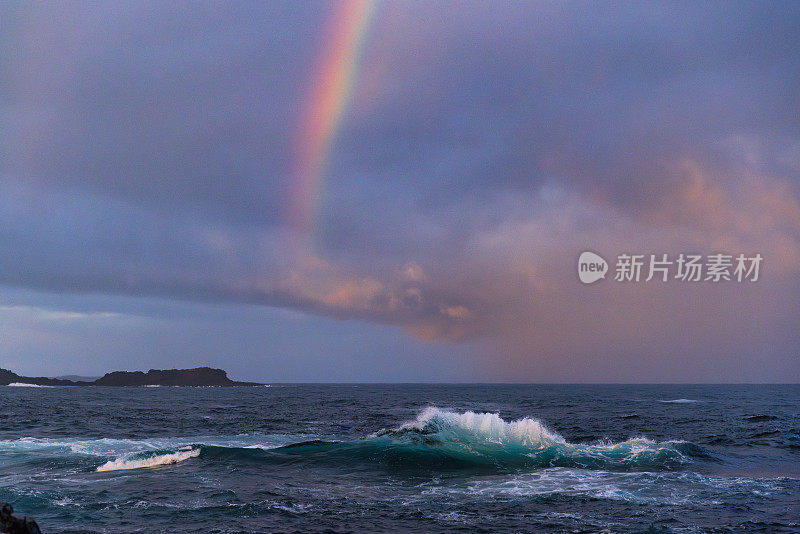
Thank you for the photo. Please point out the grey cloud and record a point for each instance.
(147, 150)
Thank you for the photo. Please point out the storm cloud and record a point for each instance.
(149, 151)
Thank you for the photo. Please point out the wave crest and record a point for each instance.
(476, 429)
(487, 438)
(150, 459)
(435, 440)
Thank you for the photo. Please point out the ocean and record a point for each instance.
(404, 458)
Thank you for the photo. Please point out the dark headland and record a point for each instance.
(199, 376)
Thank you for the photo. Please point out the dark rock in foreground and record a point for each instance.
(200, 376)
(12, 523)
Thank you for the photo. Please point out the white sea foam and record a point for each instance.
(487, 437)
(110, 447)
(680, 401)
(467, 436)
(139, 461)
(487, 427)
(24, 385)
(651, 488)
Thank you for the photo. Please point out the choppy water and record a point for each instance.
(409, 458)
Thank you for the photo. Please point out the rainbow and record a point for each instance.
(330, 95)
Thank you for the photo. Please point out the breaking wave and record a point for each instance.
(436, 439)
(443, 440)
(487, 438)
(150, 459)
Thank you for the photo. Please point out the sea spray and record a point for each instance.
(487, 438)
(435, 440)
(150, 459)
(307, 456)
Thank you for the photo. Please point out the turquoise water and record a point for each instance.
(419, 458)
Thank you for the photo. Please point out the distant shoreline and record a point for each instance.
(198, 376)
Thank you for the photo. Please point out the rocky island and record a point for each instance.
(199, 376)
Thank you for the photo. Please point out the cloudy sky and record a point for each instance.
(397, 191)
